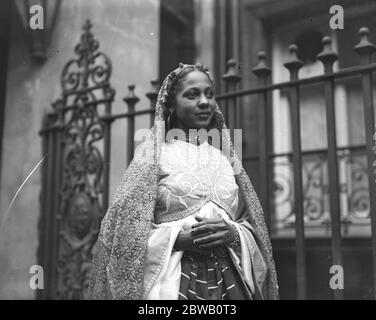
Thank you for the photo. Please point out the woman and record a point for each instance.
(185, 222)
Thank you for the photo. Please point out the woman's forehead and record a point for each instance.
(196, 78)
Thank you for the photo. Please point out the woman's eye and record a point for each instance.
(194, 94)
(190, 95)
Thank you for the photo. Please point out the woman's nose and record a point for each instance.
(203, 101)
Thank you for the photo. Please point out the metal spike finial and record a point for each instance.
(327, 53)
(231, 64)
(131, 97)
(364, 47)
(261, 69)
(364, 31)
(293, 50)
(327, 56)
(153, 92)
(262, 56)
(232, 74)
(155, 85)
(293, 64)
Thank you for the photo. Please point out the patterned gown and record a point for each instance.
(199, 181)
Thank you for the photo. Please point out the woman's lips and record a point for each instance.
(203, 115)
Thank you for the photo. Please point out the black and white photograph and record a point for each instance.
(165, 150)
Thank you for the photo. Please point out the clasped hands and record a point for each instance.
(205, 235)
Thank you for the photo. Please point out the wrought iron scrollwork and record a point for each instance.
(85, 89)
(354, 191)
(91, 68)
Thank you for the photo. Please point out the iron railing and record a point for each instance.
(83, 170)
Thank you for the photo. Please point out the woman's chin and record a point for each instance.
(204, 124)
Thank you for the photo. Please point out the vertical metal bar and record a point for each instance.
(45, 10)
(235, 109)
(27, 11)
(152, 95)
(367, 82)
(262, 71)
(368, 86)
(263, 155)
(130, 133)
(106, 158)
(235, 29)
(293, 65)
(49, 214)
(110, 93)
(55, 216)
(327, 56)
(231, 106)
(131, 101)
(333, 179)
(231, 78)
(222, 41)
(152, 116)
(226, 109)
(238, 115)
(366, 49)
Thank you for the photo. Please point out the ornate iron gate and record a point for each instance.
(75, 175)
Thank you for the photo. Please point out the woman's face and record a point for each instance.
(194, 102)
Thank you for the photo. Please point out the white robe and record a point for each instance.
(183, 164)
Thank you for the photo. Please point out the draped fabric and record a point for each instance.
(120, 254)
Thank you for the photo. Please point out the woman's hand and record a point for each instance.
(211, 233)
(185, 241)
